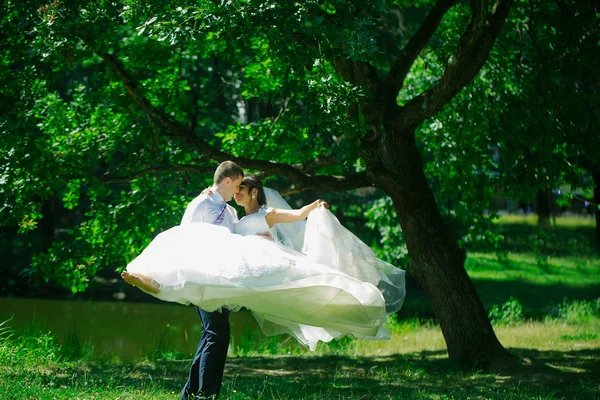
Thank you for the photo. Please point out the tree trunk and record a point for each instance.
(596, 206)
(437, 263)
(543, 207)
(46, 224)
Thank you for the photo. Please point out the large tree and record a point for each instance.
(556, 58)
(334, 75)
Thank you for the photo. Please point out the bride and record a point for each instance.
(315, 280)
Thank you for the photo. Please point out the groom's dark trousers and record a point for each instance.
(206, 372)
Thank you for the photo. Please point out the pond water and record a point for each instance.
(127, 330)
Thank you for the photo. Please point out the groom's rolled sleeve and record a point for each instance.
(201, 210)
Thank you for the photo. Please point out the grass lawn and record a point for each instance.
(537, 267)
(557, 343)
(559, 361)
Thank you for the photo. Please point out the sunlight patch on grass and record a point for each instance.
(532, 219)
(546, 336)
(543, 336)
(564, 368)
(563, 270)
(427, 339)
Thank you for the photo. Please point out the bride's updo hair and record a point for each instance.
(252, 182)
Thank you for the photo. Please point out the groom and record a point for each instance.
(206, 372)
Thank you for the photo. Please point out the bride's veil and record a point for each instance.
(329, 243)
(290, 234)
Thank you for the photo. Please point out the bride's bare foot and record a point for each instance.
(143, 282)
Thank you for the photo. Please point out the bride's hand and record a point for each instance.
(323, 203)
(207, 191)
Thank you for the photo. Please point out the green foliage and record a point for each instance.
(508, 313)
(539, 242)
(392, 246)
(252, 343)
(87, 179)
(401, 327)
(161, 349)
(578, 311)
(74, 348)
(32, 344)
(555, 48)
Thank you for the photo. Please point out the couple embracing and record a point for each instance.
(299, 271)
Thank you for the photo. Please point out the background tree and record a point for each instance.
(328, 96)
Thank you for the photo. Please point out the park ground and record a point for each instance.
(541, 289)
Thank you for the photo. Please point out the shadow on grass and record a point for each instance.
(538, 300)
(559, 241)
(573, 374)
(547, 374)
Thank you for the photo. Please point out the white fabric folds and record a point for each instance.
(336, 288)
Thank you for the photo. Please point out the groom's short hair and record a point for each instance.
(228, 169)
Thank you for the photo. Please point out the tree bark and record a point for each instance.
(437, 263)
(543, 207)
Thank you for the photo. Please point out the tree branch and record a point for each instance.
(316, 164)
(331, 183)
(471, 53)
(297, 174)
(272, 128)
(158, 170)
(358, 73)
(418, 42)
(154, 170)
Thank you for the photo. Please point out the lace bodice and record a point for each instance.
(254, 223)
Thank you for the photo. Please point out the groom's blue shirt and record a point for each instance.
(208, 208)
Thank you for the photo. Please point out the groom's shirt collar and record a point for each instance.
(209, 208)
(216, 195)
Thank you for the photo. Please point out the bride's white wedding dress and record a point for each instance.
(336, 287)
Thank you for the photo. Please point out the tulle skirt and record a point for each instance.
(336, 287)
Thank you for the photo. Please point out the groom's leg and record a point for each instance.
(206, 372)
(192, 386)
(214, 354)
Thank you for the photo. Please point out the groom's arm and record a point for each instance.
(202, 209)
